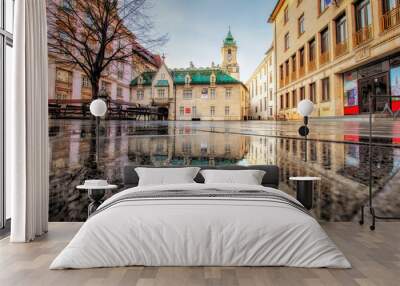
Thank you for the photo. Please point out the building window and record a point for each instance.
(311, 49)
(363, 22)
(119, 92)
(161, 93)
(64, 76)
(324, 41)
(325, 89)
(281, 74)
(140, 94)
(106, 86)
(286, 41)
(302, 93)
(226, 110)
(363, 14)
(389, 5)
(181, 111)
(313, 93)
(323, 5)
(287, 99)
(187, 94)
(301, 57)
(341, 29)
(212, 110)
(120, 71)
(228, 92)
(287, 68)
(294, 98)
(301, 25)
(294, 63)
(85, 82)
(286, 15)
(281, 101)
(270, 94)
(212, 93)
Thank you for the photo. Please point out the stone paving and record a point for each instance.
(336, 152)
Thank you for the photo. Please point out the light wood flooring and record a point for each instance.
(375, 257)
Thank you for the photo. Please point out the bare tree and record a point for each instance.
(96, 34)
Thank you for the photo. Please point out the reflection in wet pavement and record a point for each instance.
(343, 167)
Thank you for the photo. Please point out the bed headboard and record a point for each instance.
(271, 177)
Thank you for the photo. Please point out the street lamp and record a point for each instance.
(98, 108)
(305, 108)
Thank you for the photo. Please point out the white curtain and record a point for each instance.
(27, 146)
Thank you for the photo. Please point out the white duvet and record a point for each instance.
(202, 232)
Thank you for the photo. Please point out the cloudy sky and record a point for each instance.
(196, 29)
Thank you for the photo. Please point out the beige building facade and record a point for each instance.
(261, 86)
(337, 54)
(211, 93)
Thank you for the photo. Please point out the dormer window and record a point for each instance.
(140, 80)
(212, 79)
(187, 79)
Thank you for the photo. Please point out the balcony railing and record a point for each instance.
(293, 76)
(312, 65)
(341, 48)
(390, 19)
(281, 82)
(324, 58)
(286, 79)
(363, 35)
(302, 71)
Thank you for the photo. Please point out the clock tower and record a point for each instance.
(229, 56)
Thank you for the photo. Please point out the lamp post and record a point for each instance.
(305, 185)
(98, 108)
(305, 108)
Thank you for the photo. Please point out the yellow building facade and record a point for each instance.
(338, 54)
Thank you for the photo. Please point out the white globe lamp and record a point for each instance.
(98, 107)
(305, 107)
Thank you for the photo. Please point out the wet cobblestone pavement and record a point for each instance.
(337, 152)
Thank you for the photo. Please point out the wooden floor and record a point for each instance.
(375, 257)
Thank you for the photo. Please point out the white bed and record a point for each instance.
(200, 231)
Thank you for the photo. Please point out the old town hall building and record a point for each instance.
(211, 93)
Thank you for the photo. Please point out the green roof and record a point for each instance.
(162, 83)
(202, 76)
(147, 78)
(229, 40)
(197, 76)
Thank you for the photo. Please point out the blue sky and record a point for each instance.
(196, 29)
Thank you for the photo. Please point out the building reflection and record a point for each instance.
(184, 146)
(342, 167)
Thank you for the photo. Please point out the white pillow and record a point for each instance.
(166, 176)
(248, 177)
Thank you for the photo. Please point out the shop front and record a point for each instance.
(380, 81)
